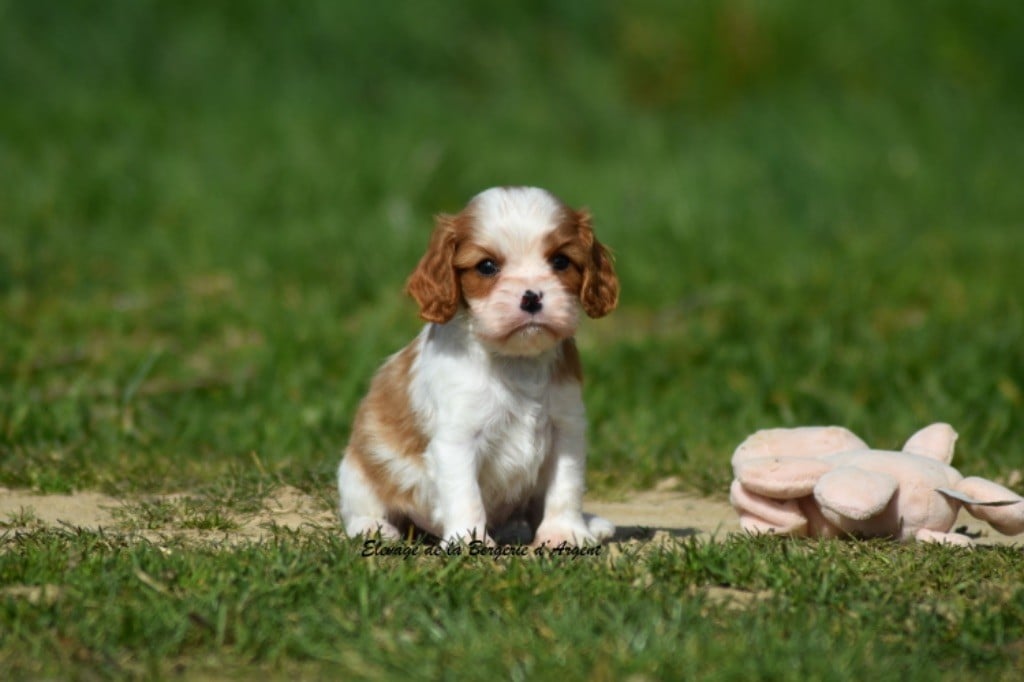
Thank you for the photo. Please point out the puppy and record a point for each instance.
(480, 419)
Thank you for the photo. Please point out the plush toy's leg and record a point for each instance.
(925, 535)
(781, 478)
(759, 514)
(817, 525)
(849, 492)
(1007, 519)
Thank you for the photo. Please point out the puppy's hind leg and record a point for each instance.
(362, 510)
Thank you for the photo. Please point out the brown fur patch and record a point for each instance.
(391, 405)
(438, 283)
(565, 240)
(568, 367)
(600, 291)
(386, 417)
(433, 283)
(469, 254)
(474, 285)
(394, 498)
(592, 275)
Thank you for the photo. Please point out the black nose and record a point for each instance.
(531, 302)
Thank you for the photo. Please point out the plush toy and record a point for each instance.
(826, 482)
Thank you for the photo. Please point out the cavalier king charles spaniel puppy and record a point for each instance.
(480, 419)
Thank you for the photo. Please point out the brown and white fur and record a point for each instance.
(480, 419)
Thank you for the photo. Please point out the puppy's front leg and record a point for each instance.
(563, 500)
(461, 506)
(563, 478)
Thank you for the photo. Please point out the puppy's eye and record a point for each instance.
(560, 262)
(487, 268)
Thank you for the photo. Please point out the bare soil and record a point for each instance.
(653, 515)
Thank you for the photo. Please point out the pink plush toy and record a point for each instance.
(826, 482)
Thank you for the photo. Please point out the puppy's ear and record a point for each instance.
(599, 293)
(434, 283)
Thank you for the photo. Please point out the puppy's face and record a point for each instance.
(522, 264)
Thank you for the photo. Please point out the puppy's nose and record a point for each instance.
(531, 302)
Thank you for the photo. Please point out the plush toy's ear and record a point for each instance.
(935, 441)
(1000, 507)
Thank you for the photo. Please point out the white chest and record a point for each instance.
(500, 417)
(510, 450)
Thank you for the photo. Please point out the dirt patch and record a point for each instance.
(660, 515)
(160, 516)
(21, 509)
(641, 516)
(292, 508)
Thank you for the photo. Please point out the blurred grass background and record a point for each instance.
(208, 210)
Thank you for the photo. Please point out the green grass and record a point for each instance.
(740, 609)
(188, 513)
(207, 212)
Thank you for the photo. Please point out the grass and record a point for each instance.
(743, 608)
(207, 211)
(188, 513)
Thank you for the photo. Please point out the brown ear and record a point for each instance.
(434, 283)
(600, 291)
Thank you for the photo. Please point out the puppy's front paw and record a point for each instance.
(573, 532)
(600, 528)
